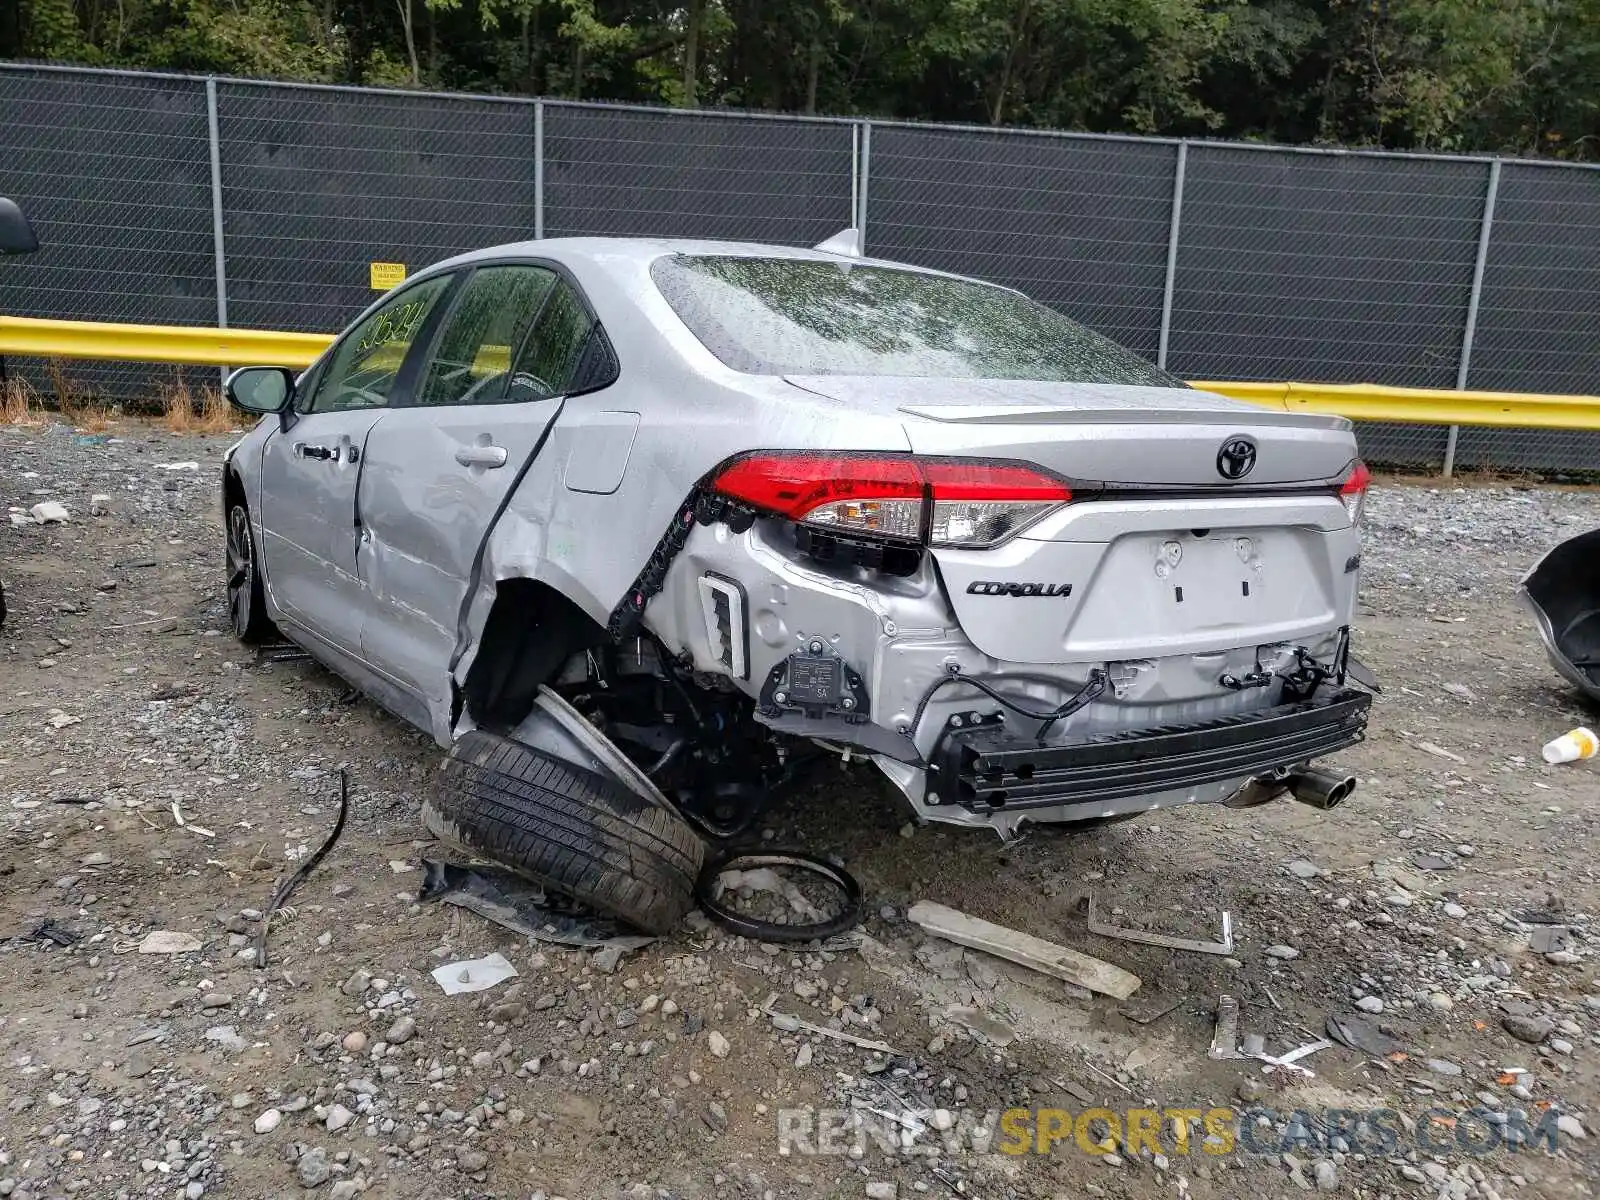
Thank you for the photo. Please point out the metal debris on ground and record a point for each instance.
(793, 1023)
(474, 974)
(1023, 949)
(183, 823)
(1539, 916)
(1165, 940)
(1560, 593)
(280, 895)
(1291, 1060)
(517, 904)
(1225, 1040)
(1360, 1032)
(48, 930)
(281, 652)
(1111, 1079)
(974, 1020)
(1146, 1010)
(756, 872)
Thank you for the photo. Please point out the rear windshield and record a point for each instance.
(789, 316)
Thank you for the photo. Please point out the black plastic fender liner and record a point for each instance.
(846, 918)
(1563, 593)
(698, 508)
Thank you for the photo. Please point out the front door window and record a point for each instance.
(367, 362)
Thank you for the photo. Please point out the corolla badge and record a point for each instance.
(985, 587)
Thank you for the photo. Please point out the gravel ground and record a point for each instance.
(1422, 906)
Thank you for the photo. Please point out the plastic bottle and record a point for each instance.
(1570, 747)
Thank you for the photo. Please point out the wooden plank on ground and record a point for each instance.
(1024, 949)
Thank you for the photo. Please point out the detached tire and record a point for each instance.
(568, 828)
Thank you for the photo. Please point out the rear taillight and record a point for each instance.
(979, 504)
(1353, 491)
(949, 502)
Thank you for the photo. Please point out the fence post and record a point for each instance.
(1484, 231)
(1172, 254)
(855, 172)
(218, 245)
(538, 169)
(863, 175)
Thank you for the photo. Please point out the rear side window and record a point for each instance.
(487, 326)
(790, 316)
(548, 359)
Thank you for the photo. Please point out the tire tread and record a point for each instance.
(568, 828)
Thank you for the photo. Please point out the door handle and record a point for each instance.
(303, 450)
(481, 456)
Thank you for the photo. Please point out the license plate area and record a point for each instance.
(1209, 581)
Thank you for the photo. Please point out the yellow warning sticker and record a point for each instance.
(387, 275)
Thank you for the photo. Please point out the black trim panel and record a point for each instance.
(988, 769)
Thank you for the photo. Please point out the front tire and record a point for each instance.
(571, 829)
(247, 602)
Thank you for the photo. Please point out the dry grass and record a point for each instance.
(77, 403)
(184, 409)
(60, 384)
(19, 403)
(216, 414)
(187, 410)
(177, 404)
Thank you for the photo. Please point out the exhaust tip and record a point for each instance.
(1322, 790)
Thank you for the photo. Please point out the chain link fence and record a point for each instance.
(613, 171)
(1078, 223)
(167, 199)
(114, 171)
(319, 183)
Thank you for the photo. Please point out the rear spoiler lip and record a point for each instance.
(1245, 416)
(1084, 492)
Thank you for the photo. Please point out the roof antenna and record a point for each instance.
(846, 241)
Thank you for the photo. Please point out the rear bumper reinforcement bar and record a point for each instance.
(985, 768)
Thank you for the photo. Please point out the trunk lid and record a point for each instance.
(1169, 557)
(1135, 436)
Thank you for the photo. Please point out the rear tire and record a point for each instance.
(247, 601)
(567, 828)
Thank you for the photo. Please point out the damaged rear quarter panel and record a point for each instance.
(693, 414)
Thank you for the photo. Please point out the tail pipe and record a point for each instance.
(1320, 789)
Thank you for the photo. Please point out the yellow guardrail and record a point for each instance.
(192, 345)
(1373, 402)
(200, 346)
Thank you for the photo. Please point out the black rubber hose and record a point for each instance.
(848, 916)
(1087, 694)
(281, 895)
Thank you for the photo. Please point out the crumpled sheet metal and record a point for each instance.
(1562, 591)
(523, 907)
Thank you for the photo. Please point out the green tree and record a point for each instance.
(1502, 75)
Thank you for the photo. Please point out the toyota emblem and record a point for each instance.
(1237, 458)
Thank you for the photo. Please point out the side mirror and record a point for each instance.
(261, 389)
(16, 235)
